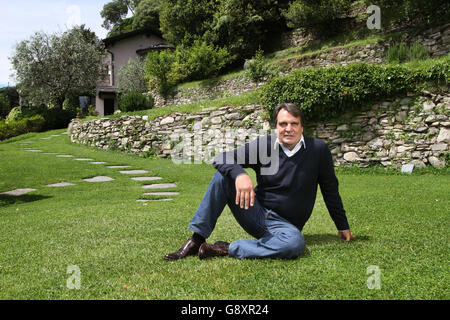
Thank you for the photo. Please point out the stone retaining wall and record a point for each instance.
(392, 133)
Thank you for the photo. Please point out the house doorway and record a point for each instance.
(109, 106)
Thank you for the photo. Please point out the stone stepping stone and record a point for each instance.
(118, 167)
(161, 193)
(146, 178)
(83, 159)
(98, 162)
(33, 150)
(61, 184)
(133, 171)
(99, 179)
(64, 156)
(17, 192)
(46, 138)
(49, 153)
(159, 186)
(147, 200)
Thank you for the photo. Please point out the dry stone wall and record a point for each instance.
(391, 133)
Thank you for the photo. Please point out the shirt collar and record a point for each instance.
(297, 147)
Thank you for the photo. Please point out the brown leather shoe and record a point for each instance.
(222, 244)
(213, 250)
(189, 248)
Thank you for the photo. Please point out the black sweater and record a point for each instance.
(291, 189)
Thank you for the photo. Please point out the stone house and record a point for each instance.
(120, 49)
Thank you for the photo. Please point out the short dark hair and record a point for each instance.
(289, 107)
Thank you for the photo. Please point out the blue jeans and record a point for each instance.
(276, 237)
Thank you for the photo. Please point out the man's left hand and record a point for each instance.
(346, 235)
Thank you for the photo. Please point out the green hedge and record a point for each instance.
(324, 93)
(133, 100)
(17, 127)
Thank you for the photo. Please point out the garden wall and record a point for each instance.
(394, 132)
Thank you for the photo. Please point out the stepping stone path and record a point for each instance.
(17, 192)
(61, 184)
(99, 179)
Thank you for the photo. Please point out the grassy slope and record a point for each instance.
(401, 223)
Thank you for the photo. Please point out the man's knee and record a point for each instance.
(294, 245)
(219, 178)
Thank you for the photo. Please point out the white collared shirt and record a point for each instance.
(297, 147)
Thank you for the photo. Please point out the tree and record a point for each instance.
(147, 14)
(132, 77)
(318, 15)
(240, 26)
(243, 26)
(4, 106)
(50, 67)
(159, 70)
(115, 11)
(184, 21)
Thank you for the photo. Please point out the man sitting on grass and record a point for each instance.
(277, 209)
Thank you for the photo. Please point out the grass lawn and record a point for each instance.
(401, 223)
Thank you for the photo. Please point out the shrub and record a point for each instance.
(202, 60)
(318, 15)
(56, 118)
(256, 68)
(328, 92)
(133, 100)
(402, 53)
(15, 114)
(4, 106)
(132, 76)
(17, 127)
(158, 69)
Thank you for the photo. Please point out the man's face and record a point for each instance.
(289, 129)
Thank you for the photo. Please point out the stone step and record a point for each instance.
(159, 186)
(98, 179)
(146, 178)
(118, 167)
(17, 192)
(161, 193)
(133, 171)
(147, 200)
(60, 184)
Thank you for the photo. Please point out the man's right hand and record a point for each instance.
(245, 195)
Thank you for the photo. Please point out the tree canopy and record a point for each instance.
(50, 67)
(114, 12)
